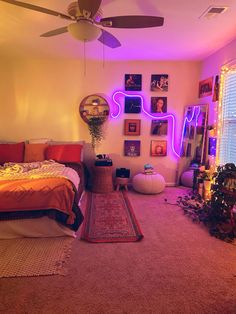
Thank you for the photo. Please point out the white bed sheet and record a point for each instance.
(43, 227)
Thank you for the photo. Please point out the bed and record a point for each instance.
(40, 198)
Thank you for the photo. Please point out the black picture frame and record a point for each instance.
(132, 104)
(133, 82)
(132, 148)
(159, 127)
(159, 82)
(158, 104)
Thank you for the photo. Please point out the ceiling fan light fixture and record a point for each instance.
(84, 30)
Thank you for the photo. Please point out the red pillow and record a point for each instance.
(64, 153)
(12, 152)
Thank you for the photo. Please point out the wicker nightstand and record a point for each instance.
(102, 179)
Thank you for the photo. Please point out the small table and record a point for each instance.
(122, 182)
(102, 179)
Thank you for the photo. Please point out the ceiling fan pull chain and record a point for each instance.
(84, 59)
(103, 55)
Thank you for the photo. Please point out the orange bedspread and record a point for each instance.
(43, 193)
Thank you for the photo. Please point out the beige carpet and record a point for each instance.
(177, 268)
(34, 257)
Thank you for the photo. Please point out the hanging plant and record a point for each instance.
(95, 125)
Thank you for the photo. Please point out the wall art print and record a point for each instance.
(159, 127)
(158, 148)
(132, 104)
(205, 87)
(132, 126)
(133, 82)
(132, 148)
(158, 104)
(159, 82)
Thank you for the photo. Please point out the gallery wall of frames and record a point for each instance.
(158, 105)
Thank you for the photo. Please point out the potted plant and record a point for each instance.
(95, 125)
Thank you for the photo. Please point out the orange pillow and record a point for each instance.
(64, 153)
(35, 152)
(12, 152)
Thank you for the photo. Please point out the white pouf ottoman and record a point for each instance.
(187, 178)
(148, 183)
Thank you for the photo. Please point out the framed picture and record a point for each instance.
(132, 104)
(158, 104)
(212, 146)
(132, 148)
(159, 127)
(159, 82)
(132, 126)
(216, 89)
(133, 82)
(205, 87)
(158, 148)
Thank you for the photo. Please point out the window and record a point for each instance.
(227, 117)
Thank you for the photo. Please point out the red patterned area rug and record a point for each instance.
(110, 218)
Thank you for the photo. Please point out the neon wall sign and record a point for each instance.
(188, 118)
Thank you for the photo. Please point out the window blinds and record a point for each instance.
(227, 141)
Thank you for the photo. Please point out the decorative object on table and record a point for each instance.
(159, 82)
(132, 148)
(148, 169)
(217, 213)
(158, 104)
(110, 218)
(148, 184)
(159, 127)
(133, 82)
(132, 126)
(132, 104)
(205, 87)
(27, 257)
(158, 148)
(103, 160)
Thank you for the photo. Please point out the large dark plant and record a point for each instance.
(95, 125)
(217, 213)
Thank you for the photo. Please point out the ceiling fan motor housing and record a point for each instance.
(73, 10)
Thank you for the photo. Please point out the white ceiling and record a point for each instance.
(184, 36)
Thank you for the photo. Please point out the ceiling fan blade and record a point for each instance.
(55, 32)
(39, 9)
(109, 40)
(132, 21)
(89, 7)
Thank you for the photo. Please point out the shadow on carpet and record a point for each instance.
(109, 217)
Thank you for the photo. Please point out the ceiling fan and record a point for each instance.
(87, 22)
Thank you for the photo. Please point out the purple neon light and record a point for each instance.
(115, 116)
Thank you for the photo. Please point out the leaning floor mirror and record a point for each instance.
(193, 138)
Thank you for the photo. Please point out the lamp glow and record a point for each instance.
(84, 30)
